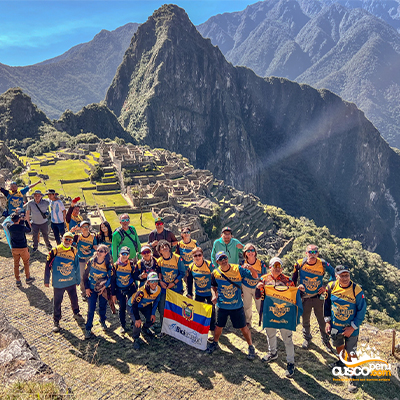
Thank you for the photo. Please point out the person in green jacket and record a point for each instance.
(125, 235)
(231, 246)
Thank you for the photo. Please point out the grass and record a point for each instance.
(148, 221)
(30, 390)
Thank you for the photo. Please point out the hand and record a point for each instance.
(88, 292)
(189, 296)
(46, 285)
(348, 331)
(114, 299)
(260, 286)
(153, 319)
(143, 275)
(85, 252)
(302, 288)
(170, 285)
(102, 290)
(163, 285)
(138, 323)
(214, 300)
(155, 243)
(327, 328)
(322, 289)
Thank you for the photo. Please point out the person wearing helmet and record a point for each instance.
(145, 302)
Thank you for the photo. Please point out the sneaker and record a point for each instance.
(305, 344)
(149, 332)
(212, 347)
(18, 283)
(122, 330)
(161, 335)
(270, 357)
(352, 386)
(103, 325)
(251, 355)
(30, 280)
(289, 370)
(78, 318)
(84, 298)
(337, 363)
(136, 344)
(56, 327)
(88, 334)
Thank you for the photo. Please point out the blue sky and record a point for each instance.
(34, 31)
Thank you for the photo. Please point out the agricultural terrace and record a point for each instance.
(70, 170)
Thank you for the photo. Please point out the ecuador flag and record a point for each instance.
(186, 319)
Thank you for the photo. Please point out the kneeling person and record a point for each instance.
(226, 283)
(144, 301)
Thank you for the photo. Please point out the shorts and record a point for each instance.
(350, 343)
(237, 316)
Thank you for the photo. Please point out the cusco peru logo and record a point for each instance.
(367, 364)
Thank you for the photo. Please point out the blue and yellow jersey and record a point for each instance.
(171, 270)
(201, 276)
(124, 276)
(107, 242)
(185, 251)
(345, 306)
(311, 276)
(85, 245)
(64, 267)
(143, 297)
(282, 308)
(261, 269)
(95, 271)
(16, 200)
(75, 220)
(229, 294)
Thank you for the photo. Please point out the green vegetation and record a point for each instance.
(32, 390)
(212, 225)
(97, 174)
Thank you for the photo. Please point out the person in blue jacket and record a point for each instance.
(63, 266)
(145, 301)
(228, 244)
(97, 278)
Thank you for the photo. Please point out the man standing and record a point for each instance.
(19, 246)
(161, 233)
(58, 215)
(226, 283)
(309, 272)
(231, 246)
(344, 312)
(38, 210)
(63, 266)
(125, 236)
(15, 197)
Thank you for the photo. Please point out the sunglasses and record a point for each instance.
(68, 240)
(186, 233)
(251, 251)
(101, 251)
(125, 220)
(197, 255)
(159, 223)
(277, 265)
(312, 251)
(124, 254)
(222, 258)
(146, 252)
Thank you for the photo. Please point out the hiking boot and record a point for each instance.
(149, 332)
(352, 386)
(18, 283)
(136, 344)
(305, 344)
(338, 363)
(103, 325)
(289, 370)
(78, 318)
(56, 327)
(251, 355)
(212, 347)
(122, 330)
(270, 357)
(88, 334)
(30, 280)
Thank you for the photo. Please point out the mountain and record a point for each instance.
(296, 147)
(74, 79)
(346, 50)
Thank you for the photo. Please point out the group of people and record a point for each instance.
(114, 268)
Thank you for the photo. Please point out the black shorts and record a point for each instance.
(237, 316)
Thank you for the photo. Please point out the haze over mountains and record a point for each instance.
(75, 79)
(348, 51)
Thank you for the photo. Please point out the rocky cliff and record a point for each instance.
(302, 149)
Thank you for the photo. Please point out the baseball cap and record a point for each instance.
(220, 254)
(159, 219)
(341, 268)
(152, 277)
(274, 260)
(68, 235)
(38, 192)
(51, 191)
(226, 228)
(144, 248)
(84, 223)
(125, 249)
